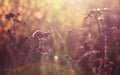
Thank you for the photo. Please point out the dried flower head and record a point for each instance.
(39, 34)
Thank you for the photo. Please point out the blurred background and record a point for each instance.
(52, 37)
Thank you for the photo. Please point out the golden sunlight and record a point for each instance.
(59, 37)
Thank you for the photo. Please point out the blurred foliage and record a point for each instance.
(70, 34)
